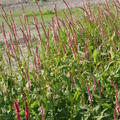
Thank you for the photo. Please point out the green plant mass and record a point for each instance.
(65, 67)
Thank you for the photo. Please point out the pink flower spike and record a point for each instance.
(90, 96)
(99, 88)
(94, 85)
(37, 28)
(57, 19)
(42, 113)
(17, 109)
(68, 10)
(28, 29)
(119, 1)
(4, 36)
(86, 49)
(27, 114)
(117, 108)
(12, 46)
(37, 61)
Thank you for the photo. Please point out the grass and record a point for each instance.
(72, 73)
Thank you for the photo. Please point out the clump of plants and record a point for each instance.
(69, 71)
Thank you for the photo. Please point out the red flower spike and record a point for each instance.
(90, 96)
(94, 85)
(99, 88)
(17, 109)
(43, 22)
(107, 7)
(86, 49)
(117, 108)
(37, 28)
(37, 61)
(42, 113)
(55, 36)
(27, 114)
(102, 16)
(4, 36)
(57, 19)
(12, 46)
(28, 29)
(68, 10)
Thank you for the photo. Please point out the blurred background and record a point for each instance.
(45, 4)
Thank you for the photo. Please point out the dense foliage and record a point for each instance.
(71, 72)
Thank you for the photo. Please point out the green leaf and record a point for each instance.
(113, 36)
(34, 104)
(112, 53)
(95, 55)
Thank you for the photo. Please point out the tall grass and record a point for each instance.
(72, 71)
